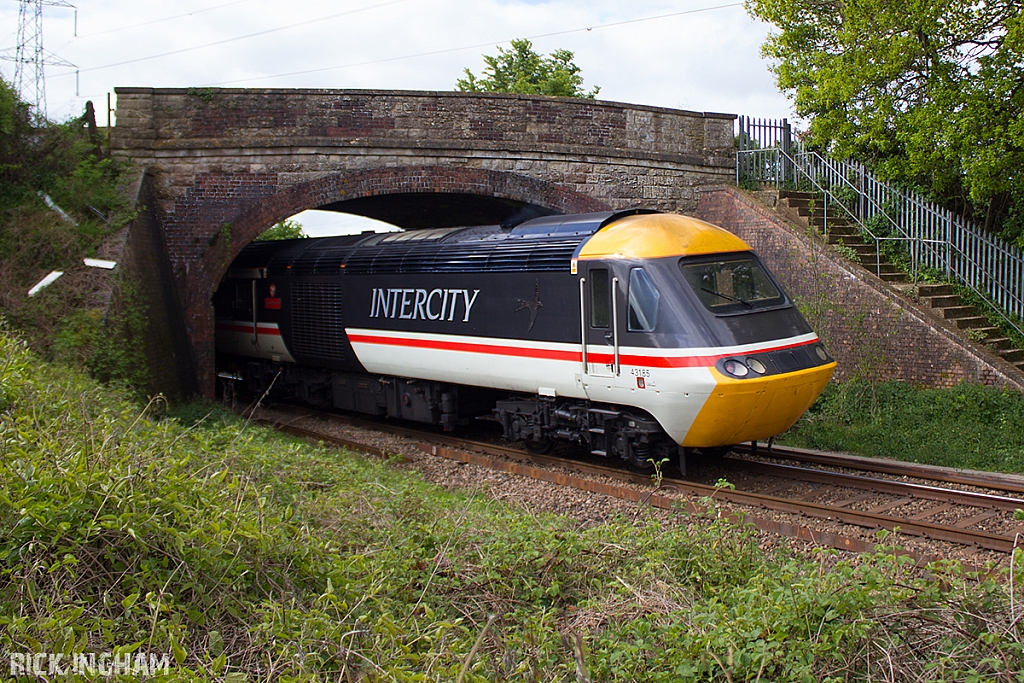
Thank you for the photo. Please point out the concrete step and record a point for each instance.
(804, 203)
(862, 249)
(1012, 355)
(796, 194)
(934, 290)
(998, 343)
(818, 216)
(970, 322)
(849, 241)
(990, 332)
(955, 312)
(834, 229)
(893, 277)
(941, 301)
(873, 264)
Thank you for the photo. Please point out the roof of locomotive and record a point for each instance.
(646, 236)
(549, 243)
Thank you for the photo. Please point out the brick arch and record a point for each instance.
(256, 213)
(358, 184)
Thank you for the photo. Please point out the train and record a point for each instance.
(638, 335)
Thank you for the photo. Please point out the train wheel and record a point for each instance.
(539, 446)
(643, 463)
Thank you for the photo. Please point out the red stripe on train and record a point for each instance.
(550, 354)
(247, 329)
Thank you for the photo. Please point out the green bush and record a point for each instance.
(65, 162)
(970, 425)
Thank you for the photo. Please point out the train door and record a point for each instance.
(255, 325)
(600, 333)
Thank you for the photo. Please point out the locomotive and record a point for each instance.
(639, 335)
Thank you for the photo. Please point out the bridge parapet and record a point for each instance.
(170, 118)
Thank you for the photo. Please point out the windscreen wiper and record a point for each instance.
(727, 297)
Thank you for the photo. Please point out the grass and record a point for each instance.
(248, 555)
(969, 426)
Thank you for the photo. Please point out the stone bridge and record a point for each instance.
(219, 166)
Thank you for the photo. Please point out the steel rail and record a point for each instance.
(1009, 483)
(921, 491)
(972, 537)
(458, 449)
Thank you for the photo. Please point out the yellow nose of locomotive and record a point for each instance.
(741, 410)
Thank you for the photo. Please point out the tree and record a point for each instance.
(928, 92)
(521, 70)
(285, 230)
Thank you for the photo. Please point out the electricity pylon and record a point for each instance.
(29, 56)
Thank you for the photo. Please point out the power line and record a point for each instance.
(163, 19)
(245, 37)
(153, 21)
(478, 45)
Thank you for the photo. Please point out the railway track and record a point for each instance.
(972, 509)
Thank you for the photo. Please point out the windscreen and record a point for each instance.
(733, 284)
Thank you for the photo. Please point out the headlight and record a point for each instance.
(757, 366)
(819, 350)
(735, 368)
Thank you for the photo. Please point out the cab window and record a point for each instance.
(600, 300)
(643, 301)
(243, 298)
(737, 284)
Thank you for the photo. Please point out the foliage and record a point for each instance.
(15, 140)
(65, 162)
(521, 70)
(111, 347)
(59, 159)
(247, 554)
(928, 93)
(970, 426)
(285, 230)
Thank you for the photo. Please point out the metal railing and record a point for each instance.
(931, 236)
(808, 172)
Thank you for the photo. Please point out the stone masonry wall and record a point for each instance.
(617, 153)
(871, 329)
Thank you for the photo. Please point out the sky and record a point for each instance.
(700, 55)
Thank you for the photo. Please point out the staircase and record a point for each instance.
(947, 305)
(841, 231)
(941, 299)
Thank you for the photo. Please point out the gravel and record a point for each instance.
(589, 509)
